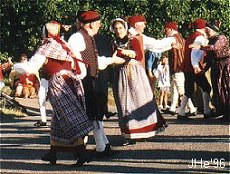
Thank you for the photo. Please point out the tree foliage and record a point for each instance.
(22, 20)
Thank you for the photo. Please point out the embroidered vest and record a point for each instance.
(89, 55)
(176, 56)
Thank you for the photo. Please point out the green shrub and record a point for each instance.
(22, 20)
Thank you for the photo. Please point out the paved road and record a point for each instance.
(197, 146)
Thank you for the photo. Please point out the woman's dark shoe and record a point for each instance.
(183, 118)
(51, 157)
(76, 155)
(83, 158)
(107, 147)
(40, 123)
(189, 114)
(129, 142)
(106, 153)
(110, 114)
(81, 161)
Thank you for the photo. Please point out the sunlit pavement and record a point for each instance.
(195, 146)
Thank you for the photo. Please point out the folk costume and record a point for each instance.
(191, 62)
(84, 42)
(69, 124)
(138, 115)
(176, 65)
(218, 50)
(137, 25)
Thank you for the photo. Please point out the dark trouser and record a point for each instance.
(200, 80)
(96, 95)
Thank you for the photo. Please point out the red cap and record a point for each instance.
(171, 25)
(134, 19)
(89, 16)
(199, 23)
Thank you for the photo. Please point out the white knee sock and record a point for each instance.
(191, 106)
(42, 98)
(98, 136)
(105, 139)
(183, 105)
(43, 113)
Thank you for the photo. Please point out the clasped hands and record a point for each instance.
(124, 52)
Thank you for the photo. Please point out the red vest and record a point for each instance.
(176, 56)
(53, 66)
(187, 59)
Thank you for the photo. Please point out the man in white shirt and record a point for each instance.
(83, 41)
(192, 70)
(176, 62)
(137, 25)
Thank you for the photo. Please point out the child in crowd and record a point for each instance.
(162, 73)
(28, 83)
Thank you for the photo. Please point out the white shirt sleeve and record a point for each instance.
(197, 54)
(77, 44)
(103, 62)
(159, 45)
(32, 66)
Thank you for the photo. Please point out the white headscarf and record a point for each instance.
(120, 20)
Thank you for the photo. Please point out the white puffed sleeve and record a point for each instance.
(77, 44)
(32, 66)
(158, 45)
(197, 54)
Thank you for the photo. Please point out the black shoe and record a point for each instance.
(224, 119)
(76, 155)
(82, 159)
(129, 142)
(51, 157)
(171, 112)
(189, 114)
(106, 153)
(107, 147)
(110, 114)
(211, 115)
(183, 118)
(40, 123)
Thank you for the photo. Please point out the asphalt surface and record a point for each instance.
(196, 146)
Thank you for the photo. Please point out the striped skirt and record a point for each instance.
(138, 114)
(69, 122)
